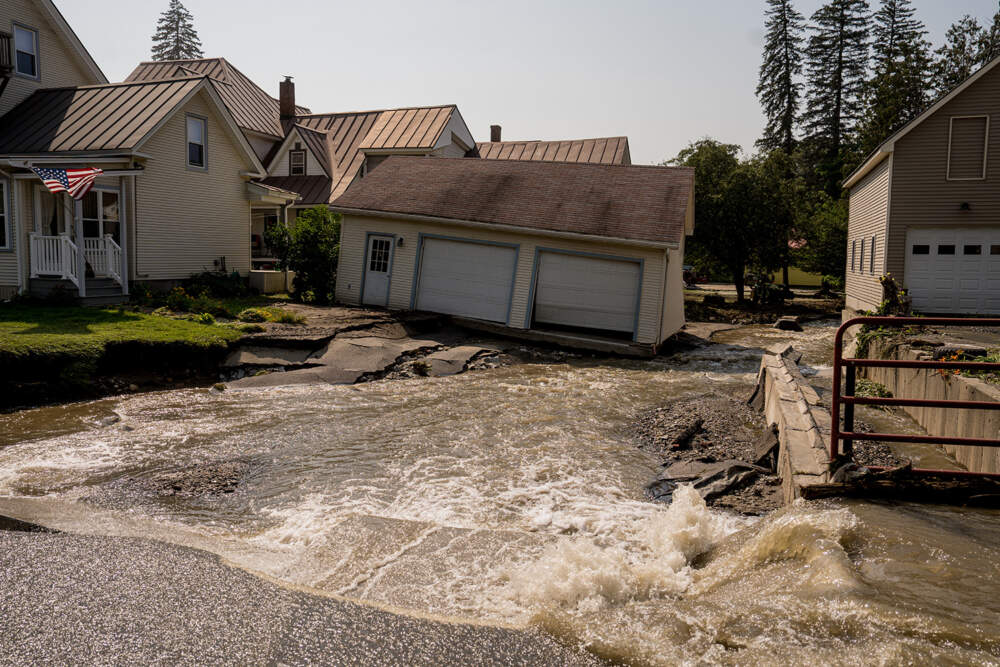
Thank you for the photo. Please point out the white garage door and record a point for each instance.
(465, 278)
(590, 292)
(952, 270)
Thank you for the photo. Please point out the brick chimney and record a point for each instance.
(286, 98)
(494, 133)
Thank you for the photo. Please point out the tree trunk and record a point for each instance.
(784, 275)
(739, 279)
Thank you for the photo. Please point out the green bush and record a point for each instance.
(217, 284)
(205, 318)
(311, 248)
(250, 328)
(284, 316)
(253, 315)
(203, 303)
(179, 300)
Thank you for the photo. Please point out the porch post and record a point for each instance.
(283, 211)
(123, 233)
(81, 259)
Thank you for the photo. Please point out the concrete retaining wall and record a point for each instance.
(803, 421)
(931, 384)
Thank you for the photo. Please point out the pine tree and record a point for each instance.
(897, 91)
(959, 57)
(989, 43)
(778, 88)
(176, 38)
(836, 68)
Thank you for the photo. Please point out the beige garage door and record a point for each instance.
(587, 292)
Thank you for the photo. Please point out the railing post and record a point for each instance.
(33, 253)
(850, 383)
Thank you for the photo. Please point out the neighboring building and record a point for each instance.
(591, 249)
(606, 150)
(925, 207)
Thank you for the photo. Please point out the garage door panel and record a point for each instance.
(466, 278)
(586, 292)
(966, 281)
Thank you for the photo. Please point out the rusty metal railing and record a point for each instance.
(848, 400)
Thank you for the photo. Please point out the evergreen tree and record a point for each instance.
(989, 43)
(959, 57)
(836, 67)
(176, 38)
(897, 91)
(778, 88)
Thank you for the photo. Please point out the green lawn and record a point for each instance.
(28, 331)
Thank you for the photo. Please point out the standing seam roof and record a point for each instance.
(605, 150)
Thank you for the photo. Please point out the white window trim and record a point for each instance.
(99, 192)
(5, 200)
(291, 166)
(188, 142)
(986, 146)
(38, 59)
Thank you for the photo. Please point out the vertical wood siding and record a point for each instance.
(187, 218)
(921, 193)
(58, 63)
(352, 251)
(869, 212)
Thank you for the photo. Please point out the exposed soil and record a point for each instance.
(710, 429)
(806, 307)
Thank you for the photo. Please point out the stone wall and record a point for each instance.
(934, 385)
(803, 421)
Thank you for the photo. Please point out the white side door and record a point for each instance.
(378, 265)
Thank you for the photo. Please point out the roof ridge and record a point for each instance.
(358, 113)
(95, 86)
(552, 141)
(545, 162)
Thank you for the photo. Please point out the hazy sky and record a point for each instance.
(663, 72)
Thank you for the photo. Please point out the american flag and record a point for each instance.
(77, 182)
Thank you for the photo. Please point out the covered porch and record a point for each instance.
(269, 206)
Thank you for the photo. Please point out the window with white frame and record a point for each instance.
(196, 133)
(100, 214)
(4, 216)
(25, 51)
(297, 162)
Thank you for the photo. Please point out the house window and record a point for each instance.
(26, 51)
(100, 214)
(297, 163)
(196, 142)
(995, 249)
(854, 252)
(871, 258)
(967, 141)
(3, 215)
(921, 250)
(379, 261)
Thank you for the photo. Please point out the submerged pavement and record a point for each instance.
(83, 599)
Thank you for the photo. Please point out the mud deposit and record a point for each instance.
(510, 497)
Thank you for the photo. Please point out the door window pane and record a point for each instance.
(946, 250)
(109, 206)
(379, 261)
(921, 250)
(972, 250)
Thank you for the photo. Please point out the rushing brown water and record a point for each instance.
(511, 496)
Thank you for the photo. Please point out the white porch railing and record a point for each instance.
(113, 259)
(97, 255)
(54, 256)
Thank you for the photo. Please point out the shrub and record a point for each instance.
(311, 248)
(205, 318)
(179, 300)
(250, 328)
(217, 284)
(203, 303)
(284, 316)
(141, 294)
(253, 315)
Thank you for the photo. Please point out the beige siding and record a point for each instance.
(673, 295)
(186, 218)
(450, 150)
(352, 250)
(8, 256)
(58, 62)
(869, 210)
(280, 167)
(921, 193)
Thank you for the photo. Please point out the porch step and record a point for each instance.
(100, 291)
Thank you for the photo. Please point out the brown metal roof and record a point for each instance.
(605, 150)
(90, 118)
(316, 142)
(252, 108)
(312, 189)
(346, 136)
(641, 203)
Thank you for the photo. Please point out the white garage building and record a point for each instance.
(582, 249)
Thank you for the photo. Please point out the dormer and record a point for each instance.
(302, 153)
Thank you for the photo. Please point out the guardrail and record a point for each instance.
(844, 390)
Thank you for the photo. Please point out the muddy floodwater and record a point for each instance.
(512, 496)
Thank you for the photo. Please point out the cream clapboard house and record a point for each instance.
(925, 207)
(175, 198)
